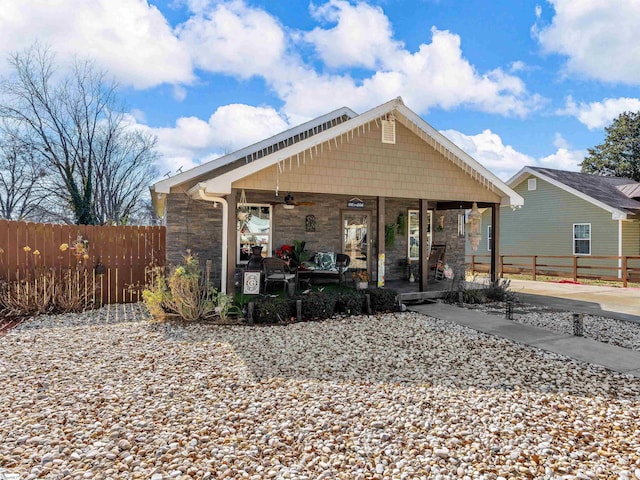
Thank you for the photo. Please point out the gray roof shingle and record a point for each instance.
(611, 191)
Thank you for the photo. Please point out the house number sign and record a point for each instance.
(355, 203)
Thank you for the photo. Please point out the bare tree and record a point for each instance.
(20, 182)
(98, 165)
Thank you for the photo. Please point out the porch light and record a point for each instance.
(474, 227)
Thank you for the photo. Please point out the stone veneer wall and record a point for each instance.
(197, 225)
(454, 255)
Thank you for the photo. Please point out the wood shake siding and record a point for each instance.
(363, 165)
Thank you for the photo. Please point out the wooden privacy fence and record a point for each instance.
(115, 259)
(612, 268)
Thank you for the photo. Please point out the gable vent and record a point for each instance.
(389, 129)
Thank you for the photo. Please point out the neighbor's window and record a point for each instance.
(489, 237)
(531, 184)
(255, 230)
(582, 239)
(413, 232)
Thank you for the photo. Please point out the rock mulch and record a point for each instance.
(107, 395)
(622, 333)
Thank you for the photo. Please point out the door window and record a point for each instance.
(355, 238)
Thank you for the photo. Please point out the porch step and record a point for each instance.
(418, 296)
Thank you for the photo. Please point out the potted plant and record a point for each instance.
(361, 279)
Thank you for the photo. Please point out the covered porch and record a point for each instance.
(382, 187)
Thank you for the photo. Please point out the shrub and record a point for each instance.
(350, 302)
(382, 299)
(225, 306)
(318, 305)
(271, 310)
(499, 291)
(493, 292)
(156, 292)
(186, 293)
(47, 290)
(74, 291)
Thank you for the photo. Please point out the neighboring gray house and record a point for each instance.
(568, 213)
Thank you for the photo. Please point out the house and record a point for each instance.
(568, 214)
(341, 182)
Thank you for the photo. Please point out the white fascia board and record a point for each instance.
(515, 180)
(164, 186)
(510, 197)
(616, 214)
(222, 185)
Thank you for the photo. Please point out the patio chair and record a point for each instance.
(436, 257)
(277, 271)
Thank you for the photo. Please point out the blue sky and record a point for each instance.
(513, 83)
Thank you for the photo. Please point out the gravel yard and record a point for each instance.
(108, 394)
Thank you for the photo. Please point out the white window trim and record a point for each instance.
(532, 184)
(489, 234)
(269, 244)
(573, 233)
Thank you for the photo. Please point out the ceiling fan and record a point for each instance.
(290, 203)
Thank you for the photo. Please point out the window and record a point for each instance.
(582, 239)
(531, 184)
(413, 232)
(254, 230)
(489, 237)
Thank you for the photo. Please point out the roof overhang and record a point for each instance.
(165, 185)
(222, 184)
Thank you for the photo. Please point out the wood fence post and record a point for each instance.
(575, 268)
(534, 267)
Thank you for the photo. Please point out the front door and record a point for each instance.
(355, 238)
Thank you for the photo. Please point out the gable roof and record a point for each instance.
(613, 194)
(333, 127)
(258, 150)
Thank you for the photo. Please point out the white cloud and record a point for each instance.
(505, 161)
(436, 75)
(234, 39)
(600, 38)
(563, 159)
(231, 127)
(362, 36)
(599, 114)
(488, 149)
(559, 141)
(129, 38)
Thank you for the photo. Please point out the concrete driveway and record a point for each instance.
(614, 302)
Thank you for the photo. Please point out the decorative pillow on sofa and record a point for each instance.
(326, 260)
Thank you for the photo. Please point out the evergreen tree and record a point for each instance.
(619, 155)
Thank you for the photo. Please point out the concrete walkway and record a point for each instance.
(615, 358)
(612, 302)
